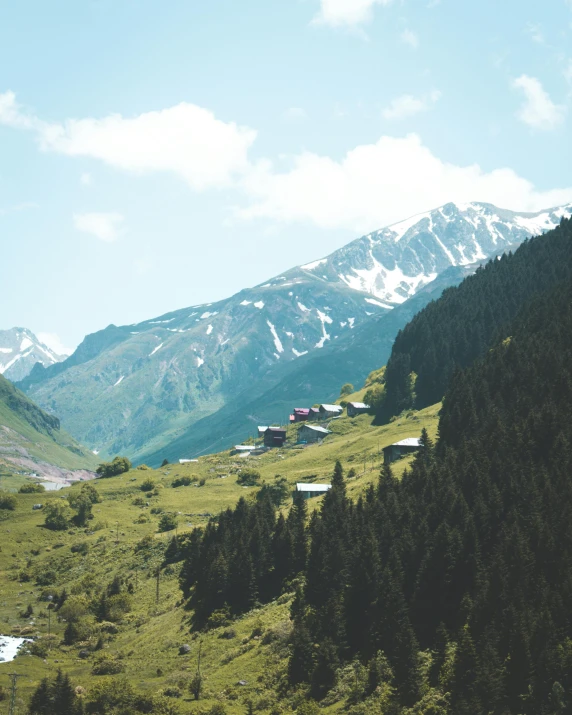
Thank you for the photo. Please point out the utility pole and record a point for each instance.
(14, 678)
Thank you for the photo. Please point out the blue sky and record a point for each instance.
(155, 155)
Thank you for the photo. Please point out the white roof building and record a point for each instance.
(301, 487)
(408, 442)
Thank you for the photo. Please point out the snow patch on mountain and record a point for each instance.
(155, 349)
(277, 342)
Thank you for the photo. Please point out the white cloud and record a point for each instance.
(408, 37)
(407, 105)
(105, 226)
(378, 184)
(85, 179)
(295, 114)
(54, 343)
(185, 139)
(538, 110)
(349, 13)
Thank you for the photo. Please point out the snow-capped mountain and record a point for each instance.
(20, 350)
(393, 263)
(134, 389)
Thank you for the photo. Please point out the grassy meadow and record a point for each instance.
(123, 540)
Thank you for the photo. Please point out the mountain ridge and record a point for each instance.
(135, 388)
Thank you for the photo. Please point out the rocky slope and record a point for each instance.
(20, 350)
(135, 389)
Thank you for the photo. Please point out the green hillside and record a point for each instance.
(122, 540)
(30, 438)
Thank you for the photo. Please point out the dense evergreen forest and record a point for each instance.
(448, 591)
(455, 330)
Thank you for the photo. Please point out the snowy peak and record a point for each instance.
(20, 350)
(393, 263)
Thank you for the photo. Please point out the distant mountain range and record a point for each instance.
(20, 350)
(181, 381)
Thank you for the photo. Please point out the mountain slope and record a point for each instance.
(31, 439)
(460, 327)
(134, 389)
(20, 350)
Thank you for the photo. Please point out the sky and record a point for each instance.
(157, 155)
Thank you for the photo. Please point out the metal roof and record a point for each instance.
(359, 405)
(408, 442)
(244, 447)
(332, 408)
(262, 428)
(301, 487)
(315, 428)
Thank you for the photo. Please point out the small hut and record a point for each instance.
(399, 449)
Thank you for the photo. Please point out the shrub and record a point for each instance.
(57, 516)
(7, 501)
(167, 522)
(31, 488)
(80, 548)
(107, 664)
(181, 482)
(277, 492)
(138, 501)
(119, 465)
(347, 389)
(165, 462)
(143, 466)
(248, 478)
(202, 482)
(148, 485)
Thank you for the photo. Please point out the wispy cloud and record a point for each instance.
(407, 105)
(185, 139)
(538, 110)
(410, 38)
(105, 226)
(535, 32)
(347, 13)
(85, 179)
(53, 342)
(295, 114)
(16, 208)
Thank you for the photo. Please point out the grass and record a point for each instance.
(149, 637)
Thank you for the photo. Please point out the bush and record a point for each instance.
(148, 485)
(143, 466)
(347, 389)
(181, 482)
(248, 478)
(119, 465)
(107, 664)
(57, 516)
(31, 488)
(168, 522)
(80, 548)
(277, 492)
(7, 501)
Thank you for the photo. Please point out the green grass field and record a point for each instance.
(148, 637)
